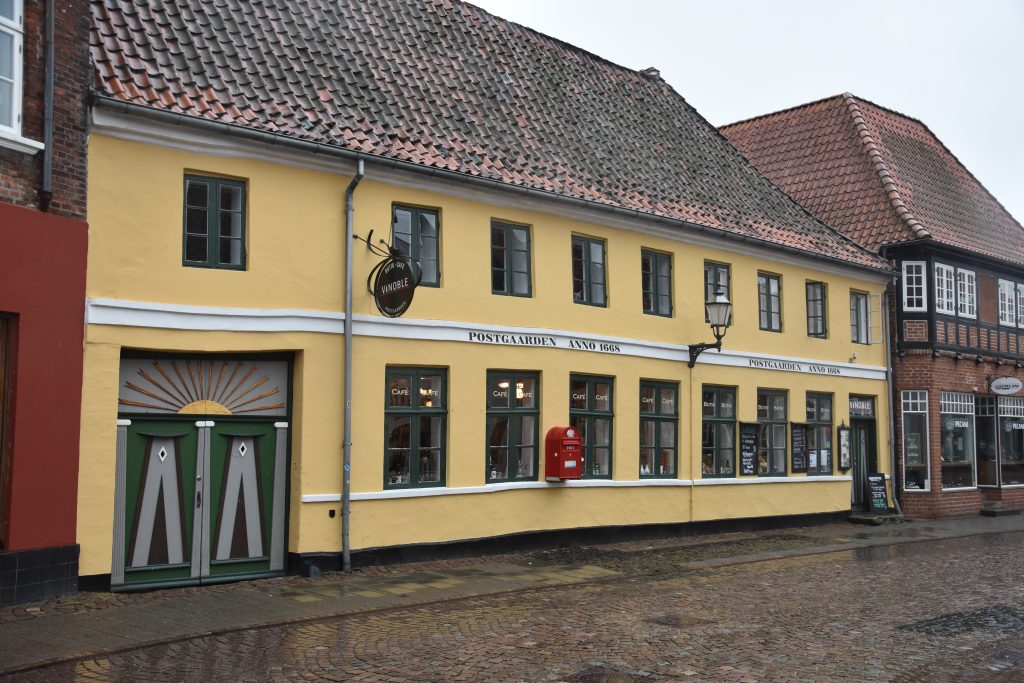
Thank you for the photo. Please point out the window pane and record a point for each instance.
(667, 434)
(667, 462)
(520, 283)
(519, 261)
(527, 430)
(196, 193)
(498, 463)
(398, 435)
(578, 389)
(498, 433)
(7, 9)
(580, 424)
(646, 461)
(230, 251)
(602, 432)
(498, 281)
(498, 237)
(647, 399)
(498, 257)
(647, 429)
(195, 221)
(520, 239)
(602, 462)
(195, 248)
(429, 269)
(399, 392)
(727, 404)
(526, 392)
(230, 224)
(596, 253)
(602, 396)
(430, 392)
(428, 224)
(708, 404)
(6, 99)
(230, 198)
(498, 392)
(667, 405)
(524, 467)
(428, 248)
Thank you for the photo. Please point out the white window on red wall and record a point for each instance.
(944, 296)
(1020, 305)
(1007, 303)
(915, 290)
(11, 29)
(966, 293)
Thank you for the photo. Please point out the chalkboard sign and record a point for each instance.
(799, 441)
(878, 500)
(748, 448)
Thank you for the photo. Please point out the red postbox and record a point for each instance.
(563, 454)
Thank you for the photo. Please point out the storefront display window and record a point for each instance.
(659, 414)
(986, 440)
(414, 427)
(771, 432)
(915, 441)
(819, 433)
(718, 432)
(512, 414)
(590, 413)
(957, 433)
(1011, 440)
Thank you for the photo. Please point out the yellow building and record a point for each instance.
(569, 218)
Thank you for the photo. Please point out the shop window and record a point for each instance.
(659, 415)
(214, 231)
(771, 433)
(944, 289)
(588, 272)
(819, 433)
(416, 233)
(718, 432)
(816, 310)
(859, 333)
(957, 433)
(916, 467)
(769, 300)
(656, 282)
(1011, 440)
(966, 293)
(1007, 303)
(986, 440)
(590, 413)
(716, 277)
(510, 259)
(11, 34)
(512, 416)
(414, 427)
(915, 294)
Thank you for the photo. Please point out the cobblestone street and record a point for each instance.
(944, 610)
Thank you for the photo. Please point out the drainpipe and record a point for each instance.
(886, 296)
(46, 191)
(346, 473)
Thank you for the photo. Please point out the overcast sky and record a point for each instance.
(956, 65)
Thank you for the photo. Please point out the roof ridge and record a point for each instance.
(884, 175)
(785, 110)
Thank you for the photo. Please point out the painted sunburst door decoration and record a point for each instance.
(185, 386)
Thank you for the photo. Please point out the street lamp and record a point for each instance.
(719, 314)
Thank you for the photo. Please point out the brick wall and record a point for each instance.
(20, 173)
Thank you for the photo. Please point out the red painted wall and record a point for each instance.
(42, 281)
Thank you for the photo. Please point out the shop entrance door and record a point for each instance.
(200, 500)
(865, 459)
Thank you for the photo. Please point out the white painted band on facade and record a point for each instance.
(124, 423)
(280, 425)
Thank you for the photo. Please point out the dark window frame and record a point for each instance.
(769, 306)
(514, 414)
(585, 294)
(710, 426)
(651, 292)
(767, 434)
(416, 239)
(213, 209)
(659, 418)
(415, 411)
(507, 250)
(818, 429)
(588, 416)
(713, 271)
(860, 317)
(817, 320)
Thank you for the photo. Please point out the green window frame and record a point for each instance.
(513, 419)
(718, 432)
(588, 271)
(659, 419)
(769, 302)
(214, 223)
(859, 317)
(716, 276)
(416, 233)
(819, 433)
(656, 282)
(510, 259)
(591, 403)
(771, 433)
(817, 310)
(415, 430)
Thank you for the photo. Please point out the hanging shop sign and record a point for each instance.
(1006, 386)
(394, 284)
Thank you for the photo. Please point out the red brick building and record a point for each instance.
(44, 77)
(957, 326)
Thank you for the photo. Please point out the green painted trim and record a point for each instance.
(509, 271)
(658, 418)
(515, 423)
(213, 211)
(413, 412)
(588, 281)
(656, 258)
(589, 414)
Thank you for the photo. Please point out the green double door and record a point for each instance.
(199, 501)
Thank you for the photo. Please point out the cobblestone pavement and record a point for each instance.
(944, 610)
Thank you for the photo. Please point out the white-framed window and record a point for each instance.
(1007, 303)
(1020, 305)
(11, 30)
(915, 286)
(944, 297)
(966, 293)
(957, 433)
(916, 466)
